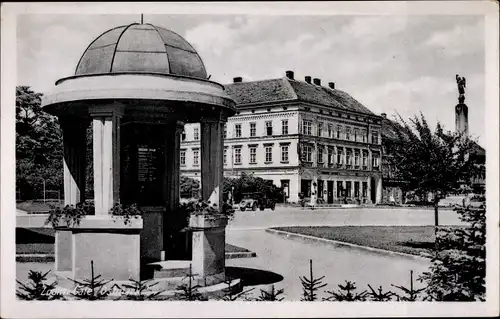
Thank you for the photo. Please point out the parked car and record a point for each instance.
(256, 200)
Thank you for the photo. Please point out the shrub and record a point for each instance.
(37, 289)
(69, 214)
(458, 268)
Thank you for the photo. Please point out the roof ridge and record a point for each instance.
(290, 87)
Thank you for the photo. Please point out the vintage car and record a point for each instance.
(256, 200)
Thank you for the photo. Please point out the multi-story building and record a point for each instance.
(305, 137)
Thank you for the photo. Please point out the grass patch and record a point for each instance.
(38, 207)
(404, 239)
(235, 249)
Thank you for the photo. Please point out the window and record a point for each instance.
(330, 131)
(225, 131)
(348, 158)
(306, 127)
(365, 189)
(183, 157)
(269, 154)
(356, 158)
(196, 134)
(356, 135)
(253, 155)
(365, 159)
(284, 127)
(356, 189)
(269, 128)
(348, 189)
(183, 136)
(348, 133)
(375, 160)
(237, 130)
(340, 156)
(340, 188)
(237, 155)
(284, 154)
(196, 157)
(363, 133)
(330, 156)
(320, 128)
(374, 137)
(339, 131)
(307, 153)
(253, 129)
(320, 154)
(225, 156)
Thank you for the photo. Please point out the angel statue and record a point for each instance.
(461, 89)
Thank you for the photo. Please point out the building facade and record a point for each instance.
(307, 138)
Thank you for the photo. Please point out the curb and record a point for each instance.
(246, 254)
(337, 243)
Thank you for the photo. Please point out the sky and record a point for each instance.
(392, 64)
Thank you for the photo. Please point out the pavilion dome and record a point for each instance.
(141, 48)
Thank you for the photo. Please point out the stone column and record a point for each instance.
(74, 144)
(212, 157)
(106, 138)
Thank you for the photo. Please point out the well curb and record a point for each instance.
(344, 244)
(46, 258)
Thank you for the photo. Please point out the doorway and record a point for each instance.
(373, 190)
(330, 192)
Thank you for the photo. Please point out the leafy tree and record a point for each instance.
(248, 183)
(39, 150)
(436, 162)
(190, 187)
(458, 270)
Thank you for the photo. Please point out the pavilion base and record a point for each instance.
(110, 245)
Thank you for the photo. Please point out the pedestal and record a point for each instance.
(62, 249)
(209, 238)
(113, 247)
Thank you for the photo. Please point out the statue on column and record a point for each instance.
(461, 89)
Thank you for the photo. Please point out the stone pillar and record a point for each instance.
(209, 240)
(212, 157)
(172, 165)
(74, 144)
(106, 138)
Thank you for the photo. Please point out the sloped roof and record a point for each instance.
(478, 149)
(287, 89)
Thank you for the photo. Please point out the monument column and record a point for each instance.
(212, 157)
(106, 149)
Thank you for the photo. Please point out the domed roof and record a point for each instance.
(141, 48)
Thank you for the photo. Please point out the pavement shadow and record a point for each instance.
(253, 277)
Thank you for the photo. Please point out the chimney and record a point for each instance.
(331, 85)
(317, 81)
(308, 79)
(289, 74)
(384, 115)
(237, 79)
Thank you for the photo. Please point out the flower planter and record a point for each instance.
(110, 242)
(207, 221)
